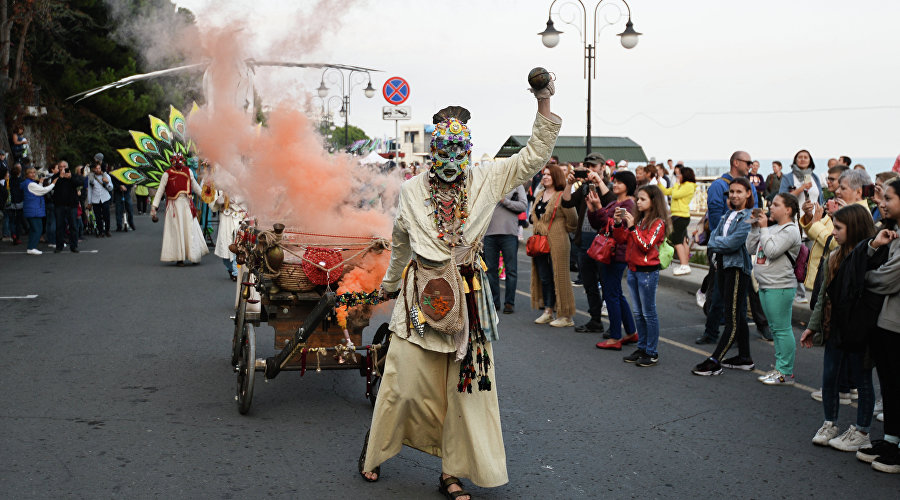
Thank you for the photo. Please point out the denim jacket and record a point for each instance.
(732, 248)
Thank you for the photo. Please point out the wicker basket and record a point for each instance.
(293, 278)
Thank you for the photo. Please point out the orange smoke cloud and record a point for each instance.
(283, 173)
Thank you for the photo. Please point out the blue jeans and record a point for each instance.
(643, 298)
(123, 208)
(51, 224)
(230, 265)
(835, 358)
(494, 245)
(35, 228)
(544, 266)
(616, 303)
(589, 270)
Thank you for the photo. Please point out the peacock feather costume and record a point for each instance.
(154, 152)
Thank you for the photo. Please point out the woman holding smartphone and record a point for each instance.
(601, 218)
(774, 251)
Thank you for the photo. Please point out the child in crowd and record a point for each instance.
(852, 224)
(774, 250)
(643, 236)
(728, 246)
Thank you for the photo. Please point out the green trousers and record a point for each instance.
(777, 303)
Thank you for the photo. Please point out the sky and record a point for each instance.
(706, 78)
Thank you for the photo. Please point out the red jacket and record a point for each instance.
(643, 243)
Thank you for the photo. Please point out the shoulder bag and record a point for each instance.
(539, 244)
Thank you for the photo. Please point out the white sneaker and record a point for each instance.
(767, 375)
(879, 407)
(543, 319)
(801, 300)
(843, 397)
(854, 393)
(826, 433)
(779, 378)
(562, 322)
(33, 251)
(603, 311)
(682, 270)
(880, 417)
(701, 299)
(851, 440)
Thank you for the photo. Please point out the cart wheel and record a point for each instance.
(246, 369)
(373, 394)
(239, 316)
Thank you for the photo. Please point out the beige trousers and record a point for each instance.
(419, 406)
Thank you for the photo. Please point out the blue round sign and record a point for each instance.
(395, 90)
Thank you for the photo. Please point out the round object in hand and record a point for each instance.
(324, 258)
(539, 78)
(155, 218)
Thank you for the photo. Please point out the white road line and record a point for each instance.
(686, 347)
(26, 297)
(50, 251)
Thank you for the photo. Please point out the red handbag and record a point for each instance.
(538, 244)
(603, 248)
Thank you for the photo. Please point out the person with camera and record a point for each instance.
(65, 201)
(579, 184)
(502, 236)
(99, 189)
(34, 208)
(601, 218)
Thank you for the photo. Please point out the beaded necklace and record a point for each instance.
(450, 204)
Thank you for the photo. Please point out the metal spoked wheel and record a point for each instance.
(239, 317)
(246, 369)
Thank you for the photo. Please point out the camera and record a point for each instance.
(580, 173)
(868, 190)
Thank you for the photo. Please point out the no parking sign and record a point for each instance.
(395, 90)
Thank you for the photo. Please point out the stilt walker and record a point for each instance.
(438, 392)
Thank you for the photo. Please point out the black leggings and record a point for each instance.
(885, 349)
(733, 286)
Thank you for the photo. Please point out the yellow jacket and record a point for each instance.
(681, 194)
(818, 232)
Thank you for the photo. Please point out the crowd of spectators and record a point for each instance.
(59, 205)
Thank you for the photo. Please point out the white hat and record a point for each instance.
(623, 163)
(653, 159)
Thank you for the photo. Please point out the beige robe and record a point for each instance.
(418, 403)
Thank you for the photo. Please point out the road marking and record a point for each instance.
(49, 251)
(690, 348)
(20, 297)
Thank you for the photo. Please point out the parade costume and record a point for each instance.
(438, 392)
(182, 236)
(231, 213)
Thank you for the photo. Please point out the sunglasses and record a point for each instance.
(748, 162)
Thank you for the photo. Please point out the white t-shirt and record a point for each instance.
(728, 223)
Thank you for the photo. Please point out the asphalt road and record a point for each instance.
(117, 385)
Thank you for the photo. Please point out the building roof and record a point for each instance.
(571, 148)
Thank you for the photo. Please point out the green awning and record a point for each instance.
(571, 148)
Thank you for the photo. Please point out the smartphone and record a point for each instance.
(621, 211)
(756, 212)
(868, 190)
(580, 174)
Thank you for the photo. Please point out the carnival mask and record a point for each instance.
(450, 150)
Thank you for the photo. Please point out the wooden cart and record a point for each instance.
(307, 334)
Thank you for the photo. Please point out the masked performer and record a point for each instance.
(182, 236)
(438, 393)
(231, 213)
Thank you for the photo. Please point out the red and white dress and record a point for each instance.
(182, 236)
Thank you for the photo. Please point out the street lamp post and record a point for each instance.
(336, 75)
(550, 37)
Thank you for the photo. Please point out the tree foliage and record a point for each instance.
(72, 46)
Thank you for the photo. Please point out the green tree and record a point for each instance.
(340, 138)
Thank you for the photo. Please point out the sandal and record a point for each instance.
(445, 488)
(362, 462)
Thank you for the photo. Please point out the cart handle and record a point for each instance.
(323, 308)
